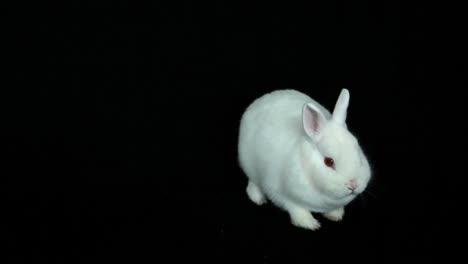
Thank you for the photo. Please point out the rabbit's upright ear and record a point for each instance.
(341, 107)
(313, 121)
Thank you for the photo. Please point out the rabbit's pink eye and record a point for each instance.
(330, 162)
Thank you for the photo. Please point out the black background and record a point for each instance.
(121, 126)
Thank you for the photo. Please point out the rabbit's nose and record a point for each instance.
(352, 185)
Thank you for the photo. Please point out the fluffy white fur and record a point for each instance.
(284, 138)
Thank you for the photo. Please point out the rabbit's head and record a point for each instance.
(330, 155)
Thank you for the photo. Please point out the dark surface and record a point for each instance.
(121, 129)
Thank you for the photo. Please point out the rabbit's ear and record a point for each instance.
(313, 121)
(341, 107)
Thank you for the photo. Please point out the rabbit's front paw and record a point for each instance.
(335, 215)
(304, 219)
(255, 194)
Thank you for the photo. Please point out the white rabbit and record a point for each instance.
(301, 157)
